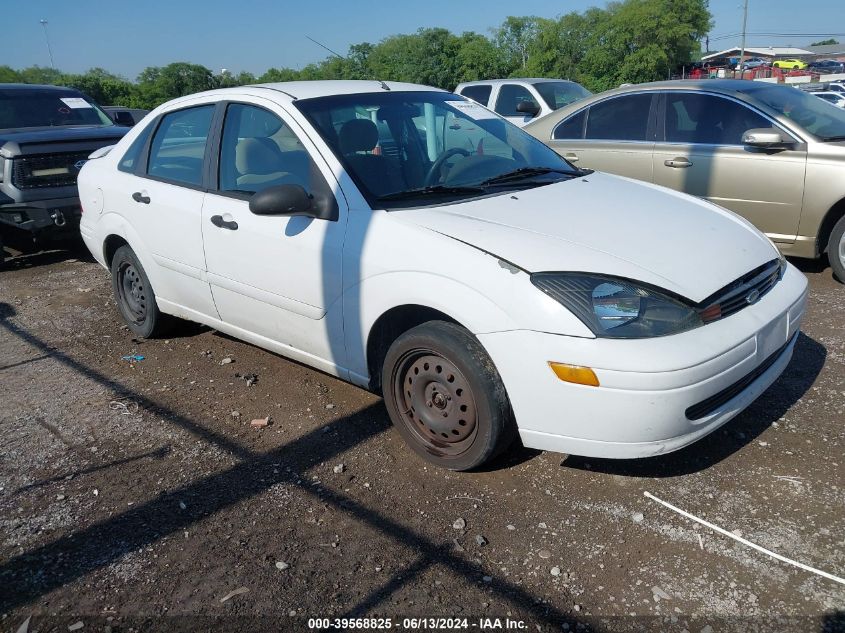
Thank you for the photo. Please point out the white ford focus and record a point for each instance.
(414, 243)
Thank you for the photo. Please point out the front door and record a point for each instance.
(703, 155)
(275, 277)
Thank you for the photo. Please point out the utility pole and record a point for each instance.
(47, 37)
(744, 24)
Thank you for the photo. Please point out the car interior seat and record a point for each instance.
(356, 139)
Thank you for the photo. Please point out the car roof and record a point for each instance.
(39, 87)
(294, 90)
(511, 80)
(725, 86)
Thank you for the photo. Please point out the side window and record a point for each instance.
(509, 97)
(572, 128)
(708, 119)
(130, 159)
(620, 119)
(258, 151)
(178, 145)
(479, 94)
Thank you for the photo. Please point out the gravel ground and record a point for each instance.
(137, 495)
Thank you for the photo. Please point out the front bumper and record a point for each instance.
(656, 395)
(51, 216)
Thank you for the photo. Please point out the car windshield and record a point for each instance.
(813, 114)
(557, 94)
(33, 107)
(421, 147)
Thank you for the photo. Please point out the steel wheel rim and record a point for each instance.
(435, 402)
(132, 292)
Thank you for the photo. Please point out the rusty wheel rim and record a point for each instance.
(435, 402)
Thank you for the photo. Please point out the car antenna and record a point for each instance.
(383, 85)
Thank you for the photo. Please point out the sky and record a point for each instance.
(254, 35)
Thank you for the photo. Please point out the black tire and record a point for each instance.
(446, 397)
(836, 249)
(135, 297)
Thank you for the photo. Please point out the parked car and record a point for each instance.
(754, 62)
(46, 135)
(523, 100)
(827, 66)
(836, 98)
(792, 64)
(768, 152)
(482, 284)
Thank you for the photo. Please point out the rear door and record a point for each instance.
(615, 135)
(161, 195)
(701, 153)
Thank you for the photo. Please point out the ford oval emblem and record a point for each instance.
(752, 297)
(78, 164)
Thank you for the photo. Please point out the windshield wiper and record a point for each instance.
(840, 137)
(522, 173)
(434, 190)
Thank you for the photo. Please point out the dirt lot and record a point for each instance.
(136, 495)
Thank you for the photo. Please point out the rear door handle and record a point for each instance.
(572, 158)
(678, 162)
(141, 197)
(219, 222)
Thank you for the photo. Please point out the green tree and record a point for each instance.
(515, 39)
(827, 42)
(159, 84)
(9, 75)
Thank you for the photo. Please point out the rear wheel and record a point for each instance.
(445, 397)
(836, 249)
(134, 295)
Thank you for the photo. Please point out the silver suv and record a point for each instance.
(523, 100)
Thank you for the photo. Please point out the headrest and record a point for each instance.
(357, 135)
(257, 156)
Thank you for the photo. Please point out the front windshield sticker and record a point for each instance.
(473, 110)
(75, 103)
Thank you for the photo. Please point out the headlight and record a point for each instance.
(618, 308)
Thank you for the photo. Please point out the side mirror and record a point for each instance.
(766, 138)
(290, 200)
(122, 117)
(528, 107)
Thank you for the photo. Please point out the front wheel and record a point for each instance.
(836, 249)
(134, 295)
(445, 396)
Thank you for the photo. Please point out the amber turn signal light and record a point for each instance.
(575, 374)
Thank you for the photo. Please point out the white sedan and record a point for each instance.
(416, 244)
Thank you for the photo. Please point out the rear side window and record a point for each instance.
(178, 146)
(620, 119)
(510, 95)
(130, 159)
(479, 94)
(572, 128)
(708, 119)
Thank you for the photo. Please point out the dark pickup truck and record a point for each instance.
(46, 135)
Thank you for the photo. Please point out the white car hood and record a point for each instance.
(606, 224)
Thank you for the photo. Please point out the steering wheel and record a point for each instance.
(431, 176)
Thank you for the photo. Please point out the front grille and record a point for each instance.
(47, 170)
(711, 404)
(745, 291)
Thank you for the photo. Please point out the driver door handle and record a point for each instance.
(571, 157)
(219, 222)
(141, 197)
(677, 162)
